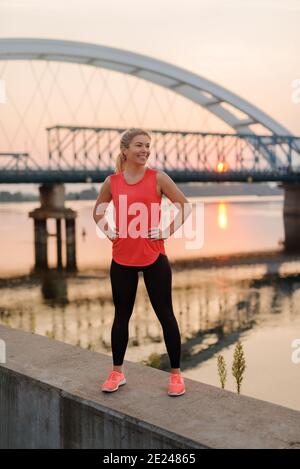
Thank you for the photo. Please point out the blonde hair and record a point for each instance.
(125, 140)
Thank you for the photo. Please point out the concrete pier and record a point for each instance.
(58, 243)
(40, 242)
(50, 397)
(291, 216)
(70, 244)
(52, 198)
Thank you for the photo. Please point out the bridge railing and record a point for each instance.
(97, 148)
(88, 154)
(14, 160)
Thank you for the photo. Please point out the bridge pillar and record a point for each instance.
(70, 244)
(291, 216)
(40, 243)
(52, 198)
(58, 243)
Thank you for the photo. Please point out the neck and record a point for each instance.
(134, 169)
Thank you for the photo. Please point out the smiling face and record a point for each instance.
(138, 151)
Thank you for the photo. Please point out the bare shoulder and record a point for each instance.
(160, 173)
(161, 180)
(105, 191)
(106, 183)
(162, 176)
(169, 188)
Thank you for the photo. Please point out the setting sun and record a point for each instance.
(222, 166)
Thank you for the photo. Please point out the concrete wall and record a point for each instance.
(50, 397)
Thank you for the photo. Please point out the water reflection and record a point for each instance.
(214, 306)
(230, 226)
(222, 216)
(54, 288)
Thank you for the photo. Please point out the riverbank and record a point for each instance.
(189, 189)
(52, 390)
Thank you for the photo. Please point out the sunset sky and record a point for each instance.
(250, 47)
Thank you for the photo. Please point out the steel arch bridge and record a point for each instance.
(278, 149)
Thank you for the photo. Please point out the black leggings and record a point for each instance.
(158, 282)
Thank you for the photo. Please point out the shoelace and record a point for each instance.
(113, 375)
(175, 378)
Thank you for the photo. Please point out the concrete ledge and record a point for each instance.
(50, 398)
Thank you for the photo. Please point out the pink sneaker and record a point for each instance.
(114, 380)
(176, 385)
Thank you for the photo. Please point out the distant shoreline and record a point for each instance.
(214, 190)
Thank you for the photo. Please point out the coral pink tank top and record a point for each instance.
(137, 208)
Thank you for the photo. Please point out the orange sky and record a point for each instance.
(249, 46)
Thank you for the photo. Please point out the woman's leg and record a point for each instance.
(124, 282)
(158, 282)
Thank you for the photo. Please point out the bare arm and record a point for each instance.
(101, 204)
(176, 196)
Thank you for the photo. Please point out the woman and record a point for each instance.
(140, 247)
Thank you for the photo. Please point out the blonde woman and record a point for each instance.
(139, 185)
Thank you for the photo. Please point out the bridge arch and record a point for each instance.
(221, 102)
(206, 93)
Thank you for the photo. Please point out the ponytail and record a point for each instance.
(119, 163)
